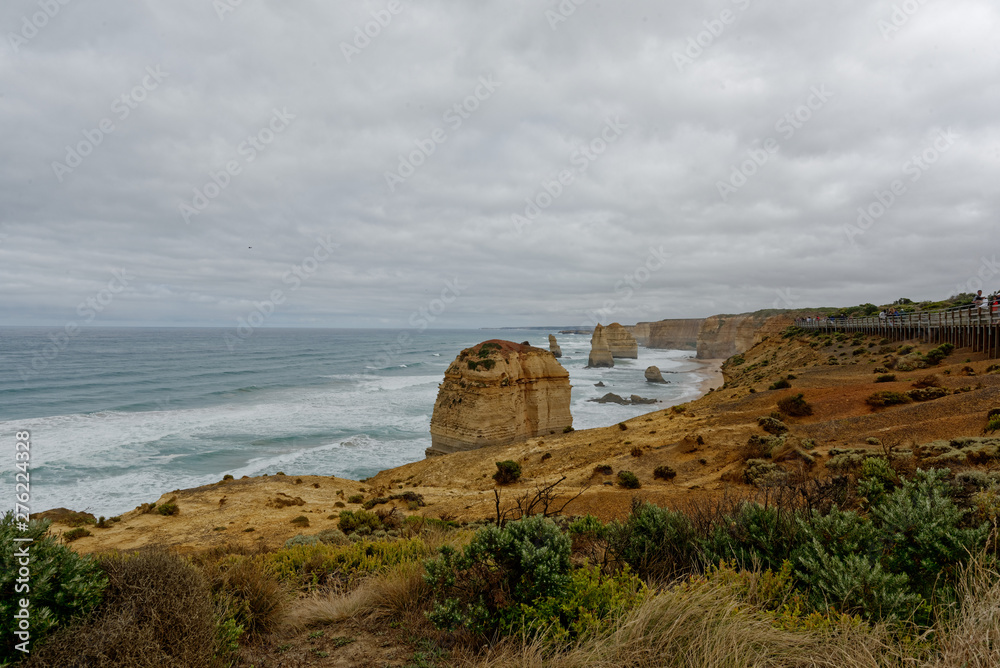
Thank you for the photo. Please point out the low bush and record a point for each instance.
(795, 406)
(664, 472)
(781, 384)
(356, 498)
(483, 586)
(935, 356)
(351, 520)
(655, 542)
(628, 480)
(772, 426)
(927, 393)
(886, 378)
(249, 595)
(754, 537)
(157, 611)
(310, 566)
(887, 398)
(927, 381)
(507, 472)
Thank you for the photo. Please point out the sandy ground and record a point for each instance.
(712, 372)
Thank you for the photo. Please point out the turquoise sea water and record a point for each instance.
(119, 416)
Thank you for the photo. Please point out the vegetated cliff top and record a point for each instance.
(704, 442)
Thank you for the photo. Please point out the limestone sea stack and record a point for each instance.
(554, 346)
(497, 393)
(653, 375)
(620, 342)
(600, 354)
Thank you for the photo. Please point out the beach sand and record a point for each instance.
(711, 371)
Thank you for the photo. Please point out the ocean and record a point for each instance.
(119, 416)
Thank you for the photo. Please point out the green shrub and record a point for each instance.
(483, 586)
(886, 378)
(628, 480)
(74, 534)
(352, 520)
(655, 542)
(508, 471)
(356, 498)
(927, 393)
(63, 585)
(754, 537)
(664, 472)
(993, 424)
(588, 606)
(371, 503)
(772, 426)
(923, 531)
(887, 398)
(781, 384)
(838, 561)
(936, 355)
(795, 406)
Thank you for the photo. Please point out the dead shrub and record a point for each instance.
(283, 501)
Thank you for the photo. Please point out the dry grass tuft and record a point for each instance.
(397, 592)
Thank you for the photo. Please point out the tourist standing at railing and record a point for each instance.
(978, 300)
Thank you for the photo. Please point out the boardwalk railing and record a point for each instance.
(964, 327)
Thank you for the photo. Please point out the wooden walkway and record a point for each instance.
(963, 327)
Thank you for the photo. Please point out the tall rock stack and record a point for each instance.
(498, 393)
(554, 346)
(620, 342)
(600, 354)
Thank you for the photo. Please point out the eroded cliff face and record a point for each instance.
(600, 354)
(621, 344)
(726, 335)
(678, 334)
(497, 393)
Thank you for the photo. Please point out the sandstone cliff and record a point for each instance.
(600, 354)
(620, 342)
(678, 334)
(554, 346)
(497, 393)
(726, 335)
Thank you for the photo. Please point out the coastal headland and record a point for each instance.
(704, 442)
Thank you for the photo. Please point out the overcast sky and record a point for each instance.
(372, 159)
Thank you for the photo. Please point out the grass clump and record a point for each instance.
(886, 378)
